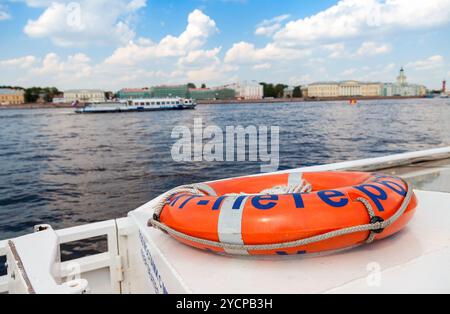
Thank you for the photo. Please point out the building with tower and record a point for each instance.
(402, 88)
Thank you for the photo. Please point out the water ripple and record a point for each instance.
(65, 169)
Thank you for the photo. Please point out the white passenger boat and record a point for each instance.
(138, 105)
(140, 259)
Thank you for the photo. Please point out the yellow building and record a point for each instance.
(350, 89)
(345, 89)
(304, 91)
(325, 89)
(11, 96)
(371, 89)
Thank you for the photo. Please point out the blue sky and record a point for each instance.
(111, 44)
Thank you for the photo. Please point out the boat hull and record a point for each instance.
(88, 110)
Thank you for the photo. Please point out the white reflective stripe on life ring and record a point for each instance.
(206, 188)
(230, 224)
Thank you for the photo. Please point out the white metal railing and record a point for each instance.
(109, 259)
(376, 163)
(3, 279)
(383, 162)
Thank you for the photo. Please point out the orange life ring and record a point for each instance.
(256, 223)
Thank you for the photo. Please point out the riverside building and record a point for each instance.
(402, 88)
(345, 89)
(170, 91)
(134, 93)
(212, 93)
(9, 96)
(84, 95)
(247, 90)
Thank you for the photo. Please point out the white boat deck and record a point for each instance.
(427, 176)
(415, 260)
(142, 260)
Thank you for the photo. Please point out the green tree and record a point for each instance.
(268, 90)
(297, 92)
(279, 90)
(273, 91)
(11, 87)
(31, 94)
(48, 97)
(203, 85)
(191, 85)
(34, 93)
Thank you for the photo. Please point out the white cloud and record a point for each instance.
(74, 67)
(136, 5)
(338, 30)
(432, 62)
(200, 58)
(269, 27)
(349, 72)
(69, 23)
(210, 74)
(336, 50)
(247, 53)
(262, 66)
(300, 80)
(202, 66)
(299, 57)
(376, 73)
(370, 48)
(22, 62)
(4, 15)
(352, 18)
(52, 70)
(199, 28)
(175, 59)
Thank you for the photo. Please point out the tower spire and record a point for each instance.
(401, 79)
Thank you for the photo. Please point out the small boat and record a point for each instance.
(137, 105)
(444, 95)
(353, 102)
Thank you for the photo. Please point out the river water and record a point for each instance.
(65, 169)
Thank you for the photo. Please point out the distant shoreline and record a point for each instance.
(37, 106)
(296, 100)
(221, 102)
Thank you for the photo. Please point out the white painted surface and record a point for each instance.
(416, 259)
(38, 255)
(3, 279)
(428, 268)
(109, 262)
(318, 274)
